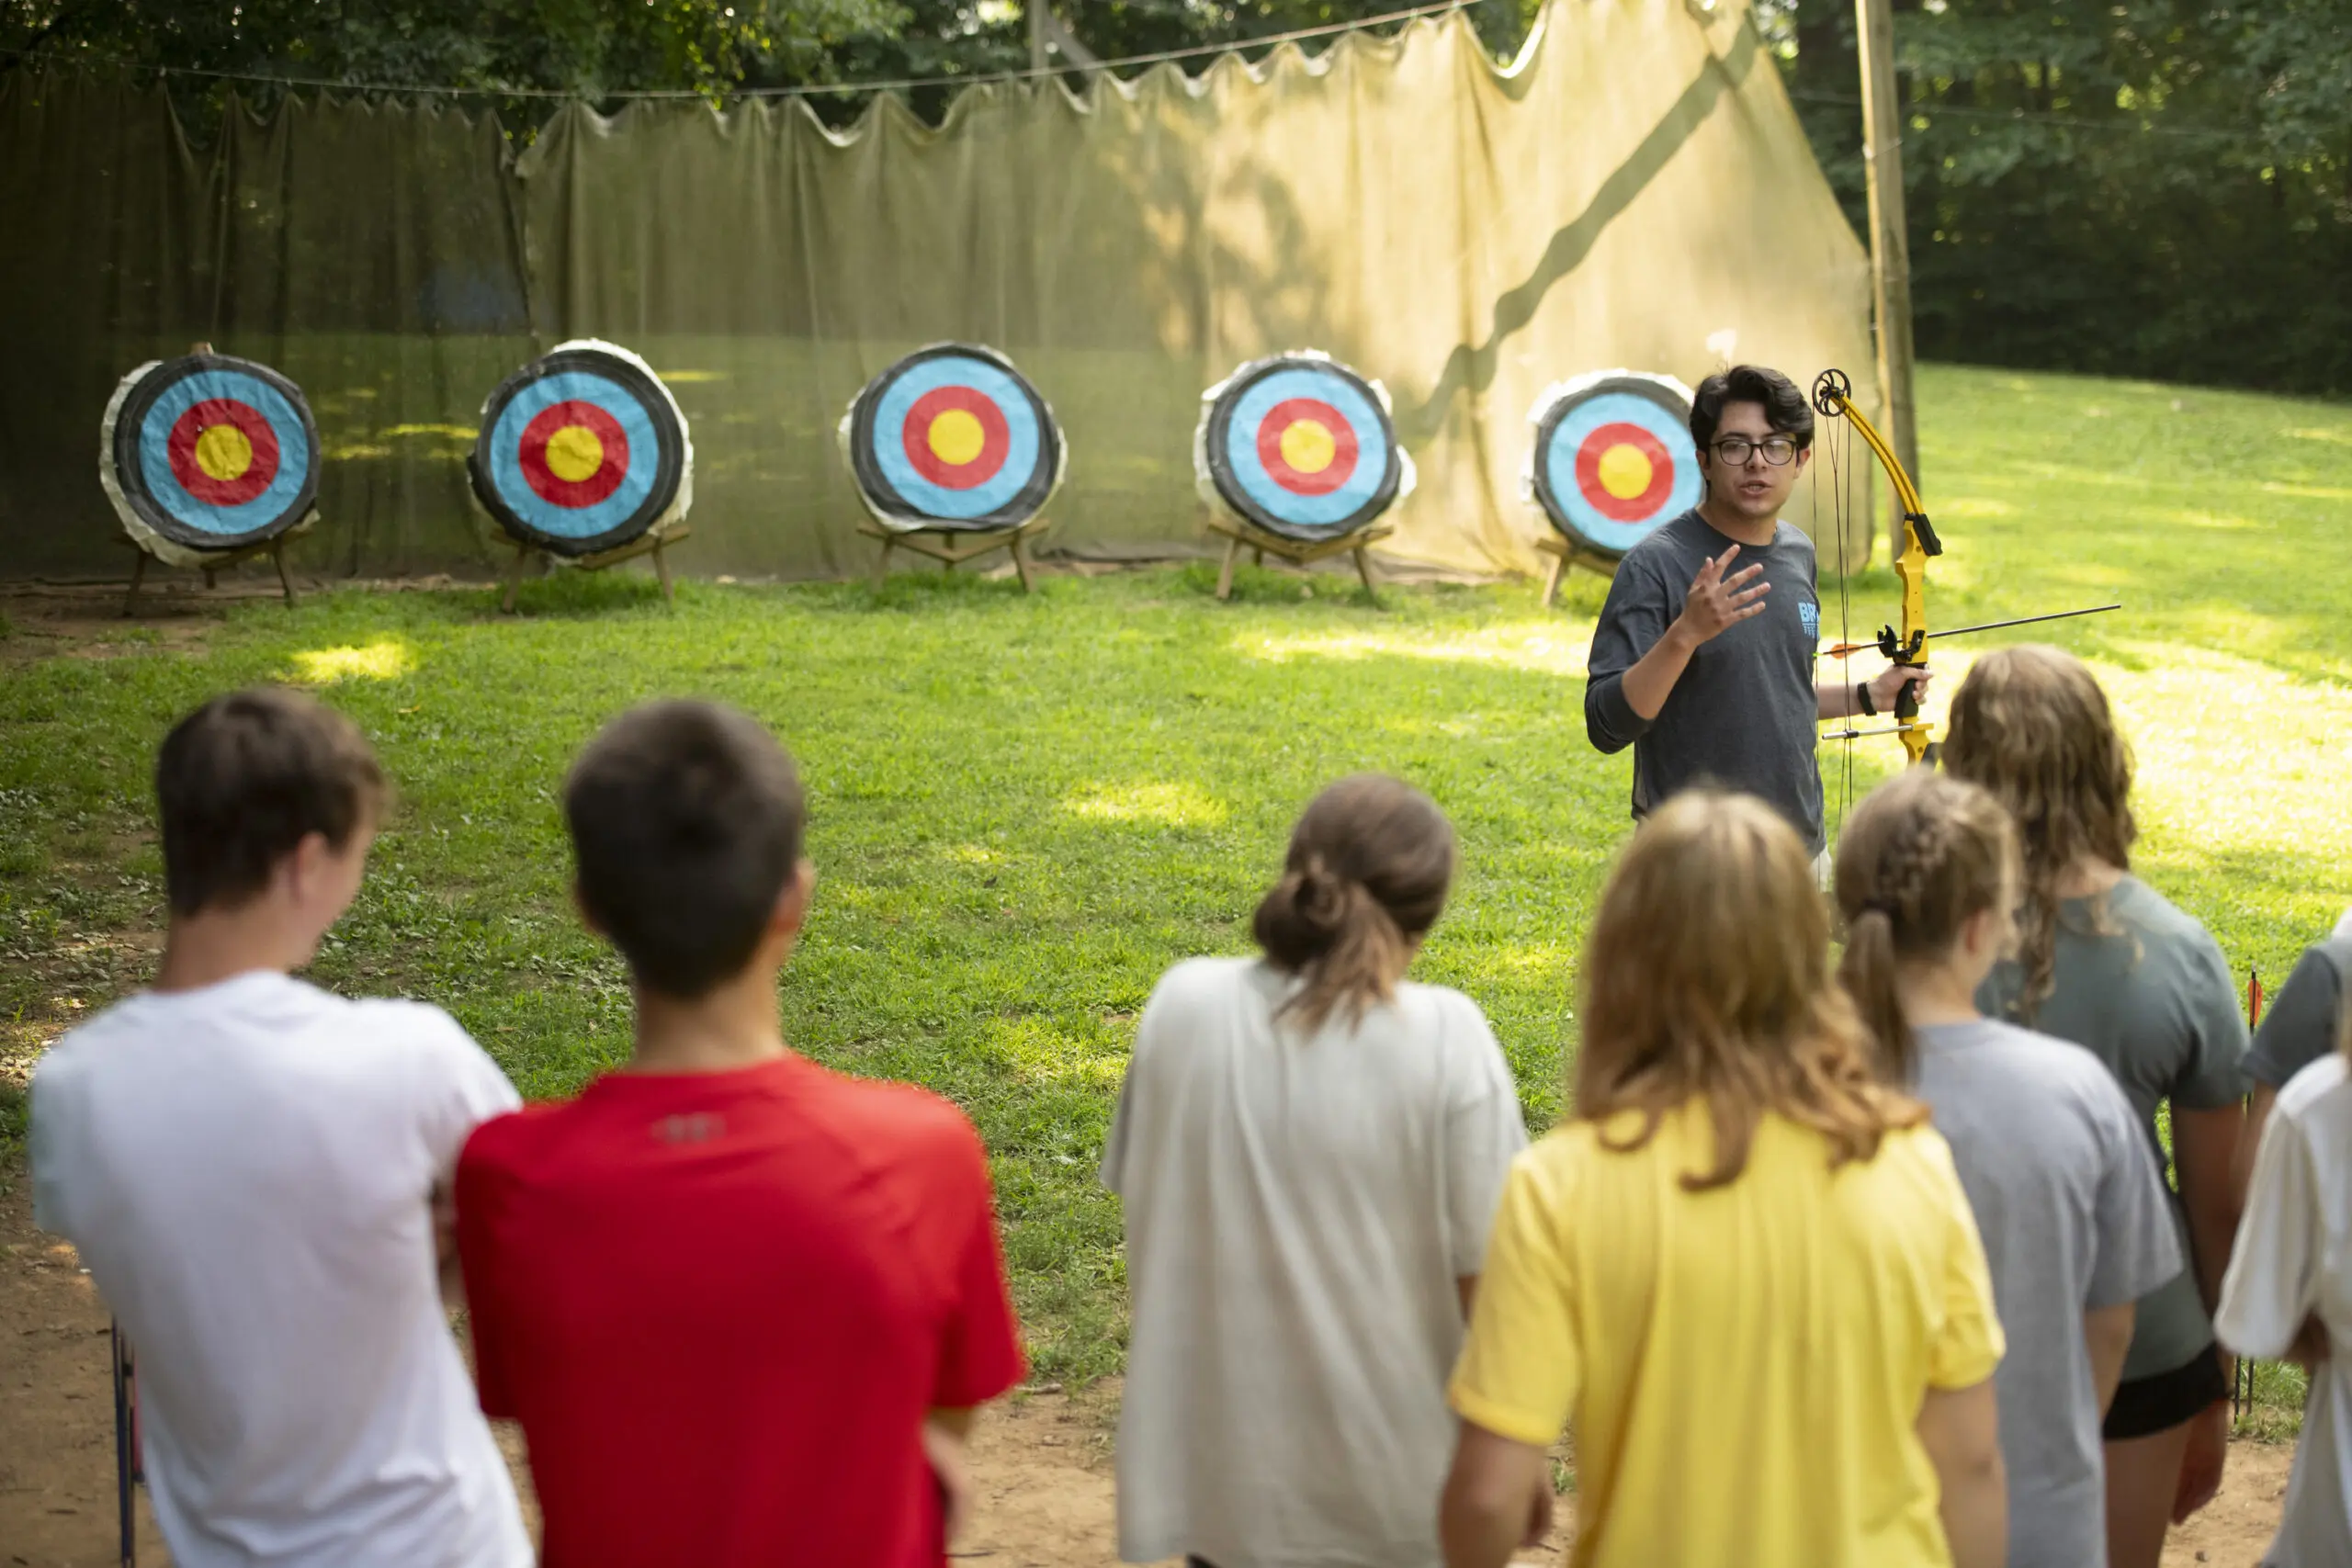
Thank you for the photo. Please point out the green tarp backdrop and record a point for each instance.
(1635, 188)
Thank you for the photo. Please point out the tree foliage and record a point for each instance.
(2154, 187)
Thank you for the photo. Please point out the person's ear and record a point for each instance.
(304, 869)
(580, 907)
(792, 904)
(1804, 456)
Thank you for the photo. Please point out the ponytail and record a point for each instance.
(1867, 970)
(1369, 867)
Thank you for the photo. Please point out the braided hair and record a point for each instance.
(1921, 856)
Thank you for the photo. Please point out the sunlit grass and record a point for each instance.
(386, 659)
(1025, 807)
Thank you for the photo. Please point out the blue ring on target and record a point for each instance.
(1293, 387)
(213, 453)
(1582, 440)
(952, 436)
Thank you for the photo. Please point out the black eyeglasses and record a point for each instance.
(1777, 450)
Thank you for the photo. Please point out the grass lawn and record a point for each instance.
(1025, 808)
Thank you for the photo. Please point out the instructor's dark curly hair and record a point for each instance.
(1784, 406)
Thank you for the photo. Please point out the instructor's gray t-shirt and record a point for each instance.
(1298, 1210)
(1743, 714)
(2153, 1001)
(2074, 1217)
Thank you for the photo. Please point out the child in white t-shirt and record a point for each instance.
(2289, 1293)
(248, 1165)
(1309, 1147)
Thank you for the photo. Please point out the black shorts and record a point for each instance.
(2144, 1406)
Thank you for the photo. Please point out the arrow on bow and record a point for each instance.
(1906, 644)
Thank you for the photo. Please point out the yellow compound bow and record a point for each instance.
(1833, 397)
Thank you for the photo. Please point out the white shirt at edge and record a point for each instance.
(2294, 1257)
(245, 1169)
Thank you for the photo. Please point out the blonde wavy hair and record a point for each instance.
(1920, 857)
(1707, 977)
(2031, 725)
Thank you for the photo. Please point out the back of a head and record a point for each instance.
(2030, 724)
(686, 822)
(1785, 408)
(244, 779)
(1370, 864)
(1921, 856)
(1706, 975)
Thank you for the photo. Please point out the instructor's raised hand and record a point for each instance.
(1716, 602)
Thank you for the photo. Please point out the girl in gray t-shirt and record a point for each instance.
(1311, 1149)
(2071, 1209)
(2106, 961)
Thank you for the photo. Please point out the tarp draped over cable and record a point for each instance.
(1634, 187)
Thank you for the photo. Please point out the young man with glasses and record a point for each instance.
(1703, 659)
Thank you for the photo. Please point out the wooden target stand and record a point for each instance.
(1566, 555)
(1298, 552)
(643, 545)
(949, 554)
(215, 562)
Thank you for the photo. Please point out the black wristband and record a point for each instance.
(1862, 698)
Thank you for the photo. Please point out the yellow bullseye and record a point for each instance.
(1308, 446)
(1625, 471)
(223, 453)
(956, 436)
(574, 453)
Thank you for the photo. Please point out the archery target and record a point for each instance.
(207, 454)
(1614, 458)
(581, 450)
(952, 437)
(1300, 446)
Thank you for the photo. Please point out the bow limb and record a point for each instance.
(1905, 645)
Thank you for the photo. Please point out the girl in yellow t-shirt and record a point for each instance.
(1745, 1269)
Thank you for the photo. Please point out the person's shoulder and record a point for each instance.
(1787, 535)
(74, 1056)
(2324, 1087)
(887, 1120)
(2044, 1060)
(1660, 552)
(516, 1141)
(1193, 977)
(1442, 1002)
(2155, 918)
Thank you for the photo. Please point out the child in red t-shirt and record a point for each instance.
(743, 1306)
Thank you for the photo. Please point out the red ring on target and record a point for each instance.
(612, 466)
(1623, 508)
(996, 438)
(1278, 423)
(260, 468)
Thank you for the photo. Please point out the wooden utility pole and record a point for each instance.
(1036, 10)
(1890, 241)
